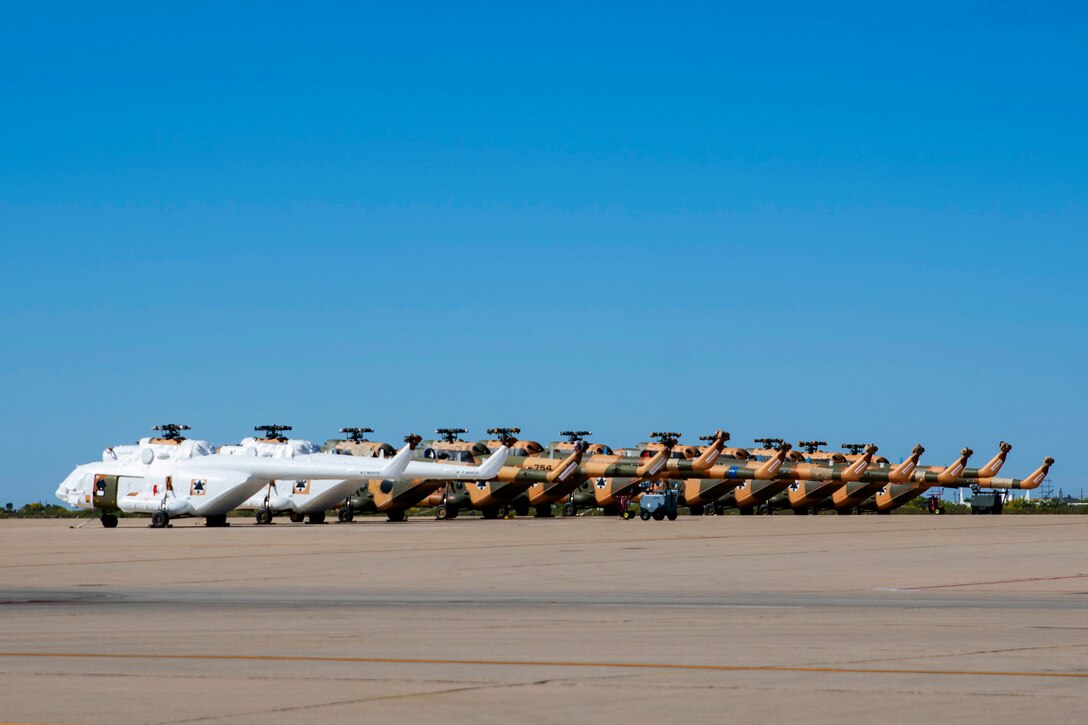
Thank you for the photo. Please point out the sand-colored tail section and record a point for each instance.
(713, 451)
(953, 472)
(563, 471)
(1032, 481)
(767, 471)
(853, 472)
(990, 469)
(653, 466)
(902, 472)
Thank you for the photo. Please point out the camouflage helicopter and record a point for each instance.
(534, 483)
(836, 481)
(299, 498)
(895, 494)
(854, 497)
(787, 466)
(700, 495)
(508, 492)
(560, 474)
(805, 496)
(924, 480)
(395, 497)
(752, 495)
(492, 495)
(1032, 481)
(710, 475)
(858, 480)
(606, 492)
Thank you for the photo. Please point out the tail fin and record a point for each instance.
(902, 472)
(990, 469)
(854, 470)
(1034, 480)
(767, 471)
(492, 465)
(953, 472)
(708, 457)
(397, 464)
(569, 465)
(655, 464)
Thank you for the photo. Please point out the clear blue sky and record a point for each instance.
(844, 221)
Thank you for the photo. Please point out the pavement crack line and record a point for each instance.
(549, 663)
(972, 653)
(364, 700)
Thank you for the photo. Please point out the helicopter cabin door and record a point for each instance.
(104, 492)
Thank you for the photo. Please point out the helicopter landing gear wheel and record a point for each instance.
(109, 521)
(264, 517)
(442, 512)
(569, 509)
(296, 517)
(711, 509)
(160, 520)
(345, 515)
(318, 517)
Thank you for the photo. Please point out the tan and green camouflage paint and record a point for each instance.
(363, 449)
(701, 491)
(1031, 481)
(604, 492)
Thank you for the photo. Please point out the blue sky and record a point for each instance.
(845, 222)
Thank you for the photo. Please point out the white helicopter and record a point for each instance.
(171, 476)
(308, 498)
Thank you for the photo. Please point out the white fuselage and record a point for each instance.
(310, 496)
(187, 478)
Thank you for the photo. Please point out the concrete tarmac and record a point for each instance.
(704, 619)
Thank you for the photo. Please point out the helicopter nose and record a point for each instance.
(69, 491)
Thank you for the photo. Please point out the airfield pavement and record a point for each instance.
(705, 619)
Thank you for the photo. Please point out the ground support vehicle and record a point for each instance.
(658, 503)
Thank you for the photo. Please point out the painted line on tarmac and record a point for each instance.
(542, 663)
(998, 581)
